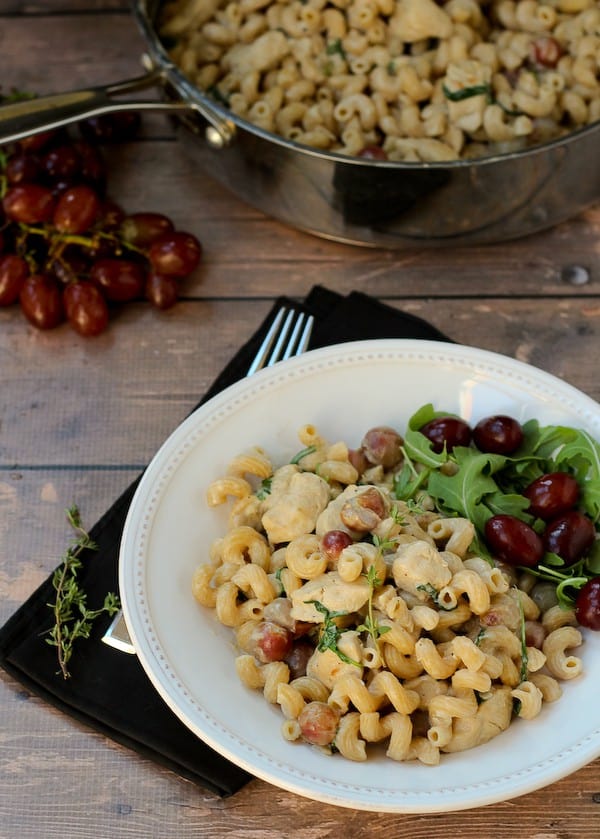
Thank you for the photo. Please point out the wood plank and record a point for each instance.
(60, 779)
(87, 397)
(61, 7)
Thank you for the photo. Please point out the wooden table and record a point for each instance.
(81, 417)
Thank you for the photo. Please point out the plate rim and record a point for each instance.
(397, 349)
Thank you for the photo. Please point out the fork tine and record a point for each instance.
(300, 336)
(276, 354)
(267, 343)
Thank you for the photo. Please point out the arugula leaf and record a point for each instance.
(416, 445)
(582, 454)
(465, 491)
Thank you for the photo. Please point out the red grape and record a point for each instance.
(76, 210)
(38, 141)
(28, 203)
(41, 301)
(334, 541)
(60, 233)
(513, 541)
(61, 163)
(161, 291)
(270, 641)
(22, 168)
(318, 723)
(570, 536)
(86, 308)
(13, 273)
(446, 430)
(587, 605)
(175, 254)
(373, 153)
(111, 215)
(120, 279)
(546, 51)
(91, 165)
(141, 229)
(552, 494)
(298, 658)
(381, 445)
(498, 435)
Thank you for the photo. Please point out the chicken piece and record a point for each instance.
(333, 592)
(348, 508)
(328, 667)
(417, 20)
(419, 566)
(294, 503)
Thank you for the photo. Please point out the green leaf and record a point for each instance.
(467, 92)
(330, 633)
(264, 489)
(465, 491)
(303, 453)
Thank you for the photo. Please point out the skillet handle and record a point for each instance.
(45, 113)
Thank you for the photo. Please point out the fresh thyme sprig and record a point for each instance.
(72, 618)
(375, 630)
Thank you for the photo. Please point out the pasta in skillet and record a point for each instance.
(404, 80)
(370, 620)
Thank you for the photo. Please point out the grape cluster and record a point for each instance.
(67, 251)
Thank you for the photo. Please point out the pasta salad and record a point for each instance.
(371, 605)
(400, 80)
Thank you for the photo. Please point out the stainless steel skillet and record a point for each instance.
(363, 202)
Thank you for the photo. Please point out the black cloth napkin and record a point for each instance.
(109, 690)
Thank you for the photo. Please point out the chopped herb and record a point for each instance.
(432, 592)
(336, 48)
(384, 543)
(484, 89)
(330, 633)
(280, 581)
(508, 111)
(303, 453)
(480, 637)
(370, 625)
(264, 489)
(391, 68)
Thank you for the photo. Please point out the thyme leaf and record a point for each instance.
(370, 625)
(72, 617)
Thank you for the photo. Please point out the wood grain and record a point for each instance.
(80, 418)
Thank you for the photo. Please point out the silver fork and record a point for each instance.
(288, 336)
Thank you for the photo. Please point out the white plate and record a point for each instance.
(189, 657)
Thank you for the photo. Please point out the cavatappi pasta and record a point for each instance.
(414, 80)
(369, 620)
